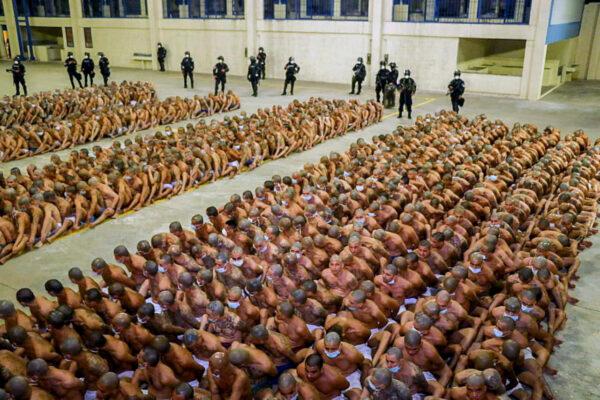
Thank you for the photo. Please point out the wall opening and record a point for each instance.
(491, 56)
(46, 40)
(559, 66)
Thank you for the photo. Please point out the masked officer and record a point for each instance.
(161, 53)
(389, 98)
(71, 65)
(254, 72)
(220, 71)
(381, 79)
(104, 66)
(291, 69)
(261, 57)
(359, 74)
(187, 68)
(407, 87)
(456, 88)
(18, 73)
(87, 67)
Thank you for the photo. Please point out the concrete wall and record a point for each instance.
(325, 50)
(588, 44)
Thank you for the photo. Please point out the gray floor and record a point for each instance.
(570, 107)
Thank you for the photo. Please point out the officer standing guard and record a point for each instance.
(389, 97)
(220, 71)
(407, 87)
(254, 71)
(187, 68)
(104, 66)
(262, 61)
(456, 89)
(381, 79)
(18, 73)
(291, 69)
(359, 74)
(87, 67)
(71, 65)
(161, 54)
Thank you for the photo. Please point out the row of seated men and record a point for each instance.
(52, 121)
(433, 263)
(91, 186)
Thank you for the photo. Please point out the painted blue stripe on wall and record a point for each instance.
(562, 31)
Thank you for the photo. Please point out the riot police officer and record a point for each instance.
(359, 74)
(87, 67)
(389, 91)
(187, 68)
(161, 54)
(291, 69)
(254, 72)
(456, 89)
(261, 57)
(381, 79)
(220, 71)
(71, 65)
(104, 66)
(18, 73)
(407, 87)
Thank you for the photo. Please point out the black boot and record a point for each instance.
(400, 114)
(410, 115)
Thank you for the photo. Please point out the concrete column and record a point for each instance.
(337, 8)
(155, 13)
(376, 38)
(535, 51)
(76, 22)
(250, 15)
(9, 18)
(229, 8)
(143, 7)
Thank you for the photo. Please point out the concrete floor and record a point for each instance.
(573, 106)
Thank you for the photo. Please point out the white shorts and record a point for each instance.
(365, 350)
(126, 374)
(157, 307)
(410, 300)
(313, 328)
(528, 354)
(354, 380)
(429, 377)
(90, 395)
(200, 361)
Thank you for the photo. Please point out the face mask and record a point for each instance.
(332, 354)
(284, 203)
(526, 309)
(221, 270)
(16, 63)
(233, 304)
(350, 308)
(360, 188)
(513, 317)
(161, 269)
(391, 282)
(224, 232)
(475, 270)
(395, 369)
(372, 386)
(307, 197)
(371, 214)
(498, 333)
(237, 263)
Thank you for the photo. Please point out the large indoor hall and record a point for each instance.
(299, 199)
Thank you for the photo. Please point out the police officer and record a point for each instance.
(220, 71)
(71, 65)
(359, 74)
(291, 69)
(18, 73)
(161, 54)
(187, 68)
(254, 72)
(87, 67)
(262, 61)
(381, 79)
(456, 88)
(104, 66)
(407, 87)
(389, 98)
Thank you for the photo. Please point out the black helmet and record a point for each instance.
(252, 59)
(220, 58)
(360, 59)
(291, 59)
(407, 72)
(382, 63)
(261, 49)
(393, 65)
(457, 72)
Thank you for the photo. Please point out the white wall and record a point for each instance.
(588, 43)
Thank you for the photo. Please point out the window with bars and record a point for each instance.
(44, 8)
(498, 9)
(216, 7)
(114, 8)
(452, 8)
(355, 8)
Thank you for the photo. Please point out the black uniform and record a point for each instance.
(261, 57)
(71, 65)
(87, 67)
(360, 73)
(104, 66)
(291, 69)
(254, 72)
(407, 87)
(187, 68)
(220, 71)
(389, 98)
(161, 54)
(381, 79)
(456, 88)
(18, 73)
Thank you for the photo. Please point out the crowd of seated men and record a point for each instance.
(433, 263)
(41, 204)
(51, 121)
